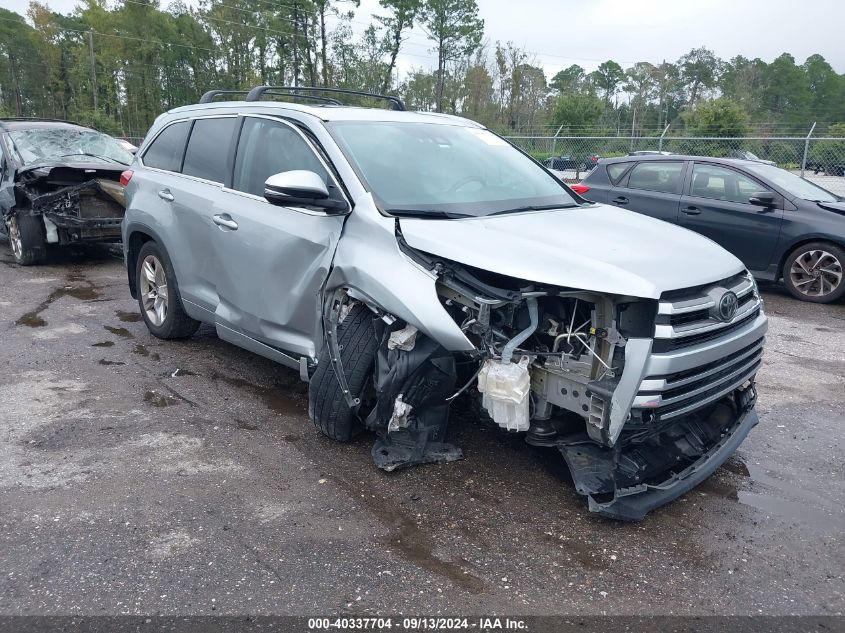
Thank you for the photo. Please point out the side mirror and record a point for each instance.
(297, 188)
(762, 199)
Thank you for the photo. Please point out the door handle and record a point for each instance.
(620, 200)
(165, 194)
(691, 210)
(225, 220)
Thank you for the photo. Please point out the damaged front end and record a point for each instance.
(77, 203)
(643, 398)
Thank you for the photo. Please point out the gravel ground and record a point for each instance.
(140, 476)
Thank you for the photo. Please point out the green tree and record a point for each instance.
(607, 78)
(456, 29)
(577, 110)
(720, 117)
(401, 19)
(569, 79)
(699, 72)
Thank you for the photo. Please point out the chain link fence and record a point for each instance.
(820, 160)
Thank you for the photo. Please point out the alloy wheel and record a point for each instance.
(153, 284)
(816, 273)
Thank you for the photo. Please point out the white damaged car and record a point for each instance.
(402, 260)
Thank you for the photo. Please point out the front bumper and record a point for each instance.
(598, 471)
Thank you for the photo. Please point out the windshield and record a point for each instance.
(792, 184)
(427, 169)
(66, 144)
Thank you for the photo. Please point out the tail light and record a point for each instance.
(125, 177)
(579, 189)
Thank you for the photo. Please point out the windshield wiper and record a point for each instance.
(108, 158)
(421, 213)
(534, 207)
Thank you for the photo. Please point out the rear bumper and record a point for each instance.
(632, 504)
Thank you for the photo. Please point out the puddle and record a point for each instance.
(793, 510)
(122, 332)
(157, 399)
(103, 344)
(280, 398)
(33, 318)
(103, 361)
(141, 350)
(128, 317)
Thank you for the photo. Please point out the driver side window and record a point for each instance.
(268, 147)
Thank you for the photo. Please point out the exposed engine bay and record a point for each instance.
(77, 203)
(549, 363)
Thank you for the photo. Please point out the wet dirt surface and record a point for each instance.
(149, 477)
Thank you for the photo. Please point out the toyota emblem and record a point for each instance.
(728, 305)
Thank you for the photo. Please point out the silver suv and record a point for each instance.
(403, 261)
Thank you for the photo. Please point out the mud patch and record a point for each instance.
(284, 399)
(122, 332)
(141, 350)
(103, 344)
(87, 292)
(108, 363)
(156, 399)
(247, 426)
(128, 317)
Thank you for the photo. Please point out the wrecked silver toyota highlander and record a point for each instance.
(59, 184)
(402, 261)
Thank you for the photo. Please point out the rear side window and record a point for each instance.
(167, 149)
(615, 170)
(268, 147)
(207, 155)
(663, 176)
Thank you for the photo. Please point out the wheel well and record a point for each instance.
(808, 240)
(136, 241)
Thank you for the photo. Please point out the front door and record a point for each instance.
(715, 204)
(271, 261)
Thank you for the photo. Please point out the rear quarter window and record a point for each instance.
(615, 171)
(166, 151)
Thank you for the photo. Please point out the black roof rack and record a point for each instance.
(209, 96)
(256, 93)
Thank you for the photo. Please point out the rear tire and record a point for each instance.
(326, 403)
(27, 238)
(158, 295)
(814, 272)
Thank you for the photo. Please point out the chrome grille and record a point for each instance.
(686, 326)
(687, 319)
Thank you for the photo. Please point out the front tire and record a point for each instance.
(27, 238)
(814, 272)
(158, 295)
(327, 405)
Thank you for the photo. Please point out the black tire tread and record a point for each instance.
(177, 324)
(829, 246)
(327, 404)
(33, 238)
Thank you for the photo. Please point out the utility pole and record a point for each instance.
(93, 67)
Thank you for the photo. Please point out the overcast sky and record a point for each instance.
(587, 32)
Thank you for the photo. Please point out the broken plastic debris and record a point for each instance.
(403, 339)
(505, 388)
(400, 417)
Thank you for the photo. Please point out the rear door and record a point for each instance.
(652, 188)
(715, 204)
(271, 261)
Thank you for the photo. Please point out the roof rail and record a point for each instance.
(209, 96)
(256, 93)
